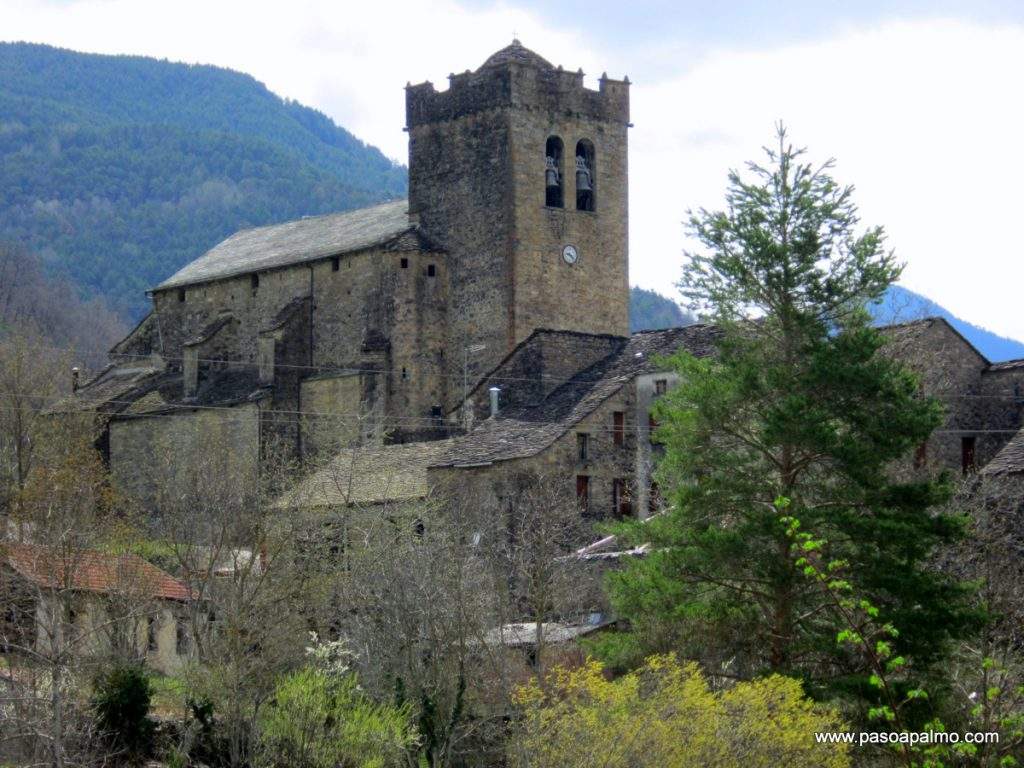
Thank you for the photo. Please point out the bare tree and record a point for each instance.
(54, 306)
(56, 626)
(32, 375)
(256, 589)
(545, 524)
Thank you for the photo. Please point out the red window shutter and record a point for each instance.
(583, 492)
(619, 427)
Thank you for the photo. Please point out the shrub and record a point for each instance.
(120, 703)
(320, 720)
(665, 715)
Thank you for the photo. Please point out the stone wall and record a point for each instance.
(333, 416)
(951, 370)
(166, 450)
(648, 388)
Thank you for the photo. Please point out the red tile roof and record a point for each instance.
(92, 571)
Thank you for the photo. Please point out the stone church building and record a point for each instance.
(480, 325)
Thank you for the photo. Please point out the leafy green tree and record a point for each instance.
(801, 403)
(321, 718)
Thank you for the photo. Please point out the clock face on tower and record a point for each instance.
(570, 254)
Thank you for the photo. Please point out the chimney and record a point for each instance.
(74, 379)
(494, 392)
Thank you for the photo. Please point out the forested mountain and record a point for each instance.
(120, 169)
(650, 311)
(50, 308)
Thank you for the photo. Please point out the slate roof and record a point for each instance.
(1007, 365)
(1009, 460)
(523, 432)
(135, 389)
(93, 571)
(516, 53)
(295, 242)
(524, 634)
(369, 475)
(113, 388)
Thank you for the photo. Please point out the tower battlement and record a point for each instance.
(516, 77)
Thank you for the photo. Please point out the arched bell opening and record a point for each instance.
(554, 196)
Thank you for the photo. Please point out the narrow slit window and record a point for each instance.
(583, 446)
(405, 263)
(660, 386)
(586, 188)
(554, 196)
(621, 505)
(181, 294)
(583, 493)
(619, 427)
(254, 282)
(335, 264)
(967, 446)
(181, 645)
(431, 270)
(921, 455)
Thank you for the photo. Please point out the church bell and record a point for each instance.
(582, 175)
(550, 172)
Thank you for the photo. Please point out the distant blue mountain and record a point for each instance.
(900, 305)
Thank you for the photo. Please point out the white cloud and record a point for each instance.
(923, 116)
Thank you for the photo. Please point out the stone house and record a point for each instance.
(94, 603)
(984, 401)
(571, 407)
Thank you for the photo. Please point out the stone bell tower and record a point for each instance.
(519, 172)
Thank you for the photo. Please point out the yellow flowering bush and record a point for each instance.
(664, 714)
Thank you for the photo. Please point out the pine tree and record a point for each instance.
(802, 403)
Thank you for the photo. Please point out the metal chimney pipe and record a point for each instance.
(494, 391)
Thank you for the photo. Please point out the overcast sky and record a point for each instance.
(919, 101)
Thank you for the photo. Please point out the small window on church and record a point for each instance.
(405, 263)
(254, 281)
(335, 264)
(181, 294)
(431, 270)
(585, 186)
(553, 173)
